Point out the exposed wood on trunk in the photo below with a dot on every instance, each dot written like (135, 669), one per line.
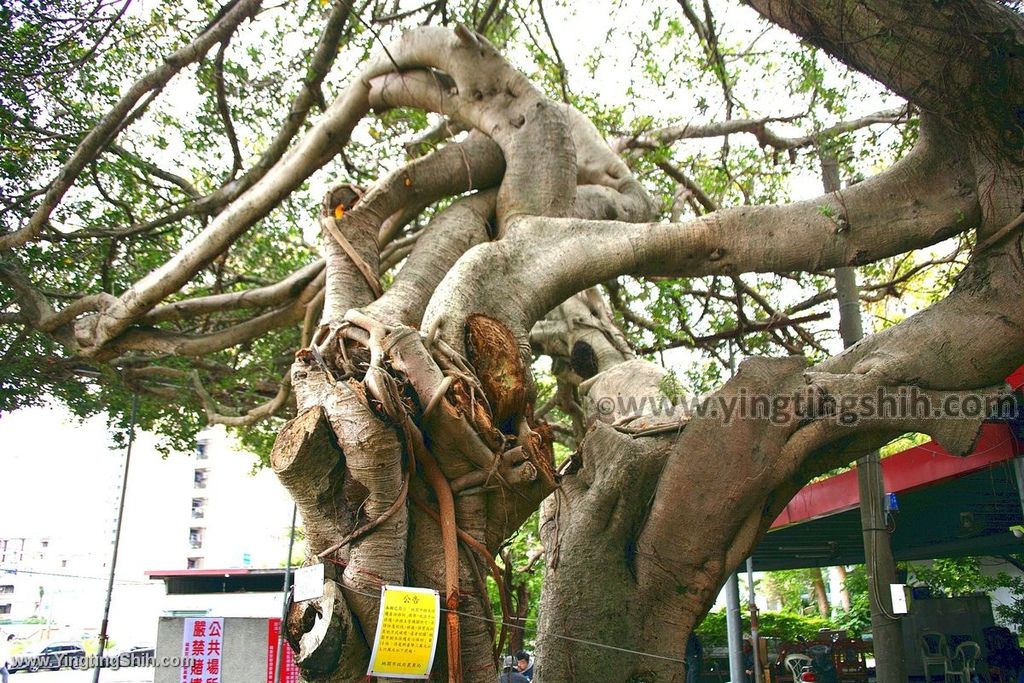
(307, 460)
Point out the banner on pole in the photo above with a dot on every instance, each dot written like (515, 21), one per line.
(201, 650)
(289, 671)
(406, 632)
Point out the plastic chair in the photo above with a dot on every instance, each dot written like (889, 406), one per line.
(964, 662)
(934, 652)
(795, 663)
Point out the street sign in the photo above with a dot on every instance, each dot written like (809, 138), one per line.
(201, 650)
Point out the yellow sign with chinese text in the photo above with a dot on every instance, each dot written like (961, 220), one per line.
(406, 632)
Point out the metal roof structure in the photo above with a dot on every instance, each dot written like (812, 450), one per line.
(949, 506)
(193, 581)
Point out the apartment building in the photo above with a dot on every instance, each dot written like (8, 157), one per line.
(232, 516)
(205, 509)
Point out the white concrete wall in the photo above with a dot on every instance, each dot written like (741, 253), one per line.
(224, 605)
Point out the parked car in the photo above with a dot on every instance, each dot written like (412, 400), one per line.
(140, 655)
(52, 657)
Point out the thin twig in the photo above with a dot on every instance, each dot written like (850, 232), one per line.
(225, 110)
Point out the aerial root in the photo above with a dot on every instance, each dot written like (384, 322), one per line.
(372, 524)
(482, 551)
(406, 368)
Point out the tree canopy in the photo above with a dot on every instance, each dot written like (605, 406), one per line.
(195, 136)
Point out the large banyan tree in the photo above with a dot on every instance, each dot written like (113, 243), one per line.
(421, 433)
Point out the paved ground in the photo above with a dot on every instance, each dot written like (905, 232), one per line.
(139, 674)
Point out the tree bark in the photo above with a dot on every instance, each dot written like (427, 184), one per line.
(844, 592)
(641, 527)
(820, 595)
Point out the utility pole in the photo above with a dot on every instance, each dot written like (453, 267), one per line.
(886, 630)
(734, 628)
(117, 539)
(733, 619)
(284, 606)
(754, 637)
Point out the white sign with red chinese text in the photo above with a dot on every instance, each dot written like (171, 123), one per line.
(201, 650)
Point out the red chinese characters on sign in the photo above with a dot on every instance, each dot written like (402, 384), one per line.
(201, 650)
(289, 672)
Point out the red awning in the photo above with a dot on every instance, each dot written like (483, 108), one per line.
(164, 573)
(913, 468)
(920, 466)
(1016, 380)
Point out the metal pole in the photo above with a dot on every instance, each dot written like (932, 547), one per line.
(733, 620)
(886, 629)
(284, 601)
(1018, 472)
(753, 622)
(734, 629)
(117, 538)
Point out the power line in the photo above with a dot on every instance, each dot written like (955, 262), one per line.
(15, 571)
(499, 622)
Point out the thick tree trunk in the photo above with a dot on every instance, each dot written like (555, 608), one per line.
(844, 592)
(416, 453)
(820, 594)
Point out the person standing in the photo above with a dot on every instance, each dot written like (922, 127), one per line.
(748, 658)
(5, 657)
(524, 665)
(694, 658)
(509, 673)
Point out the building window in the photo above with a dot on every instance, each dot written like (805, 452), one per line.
(195, 538)
(195, 563)
(201, 453)
(200, 479)
(5, 609)
(198, 508)
(7, 588)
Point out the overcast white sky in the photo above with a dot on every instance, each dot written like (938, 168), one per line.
(55, 471)
(61, 478)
